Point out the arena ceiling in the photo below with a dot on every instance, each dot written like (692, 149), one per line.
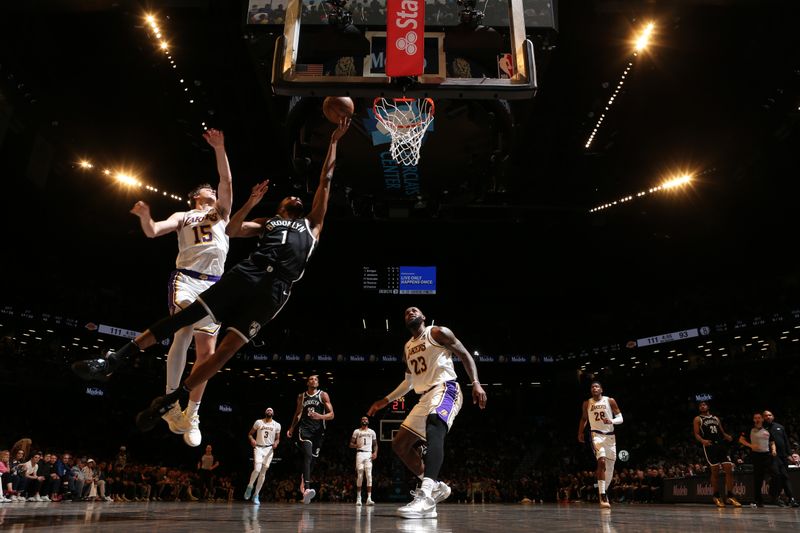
(716, 96)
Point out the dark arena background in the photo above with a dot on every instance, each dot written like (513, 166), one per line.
(630, 219)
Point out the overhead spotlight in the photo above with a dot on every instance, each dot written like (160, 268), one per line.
(644, 38)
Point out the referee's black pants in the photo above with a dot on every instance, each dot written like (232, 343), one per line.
(761, 464)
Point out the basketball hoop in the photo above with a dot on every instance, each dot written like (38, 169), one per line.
(406, 120)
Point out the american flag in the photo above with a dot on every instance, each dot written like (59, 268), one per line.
(309, 69)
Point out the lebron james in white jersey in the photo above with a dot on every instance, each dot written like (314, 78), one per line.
(428, 358)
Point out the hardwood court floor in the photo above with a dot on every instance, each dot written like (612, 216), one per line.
(161, 517)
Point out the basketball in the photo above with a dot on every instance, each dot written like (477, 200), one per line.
(337, 107)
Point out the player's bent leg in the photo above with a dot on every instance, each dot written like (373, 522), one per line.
(730, 499)
(176, 362)
(359, 480)
(368, 475)
(190, 423)
(253, 476)
(403, 446)
(715, 486)
(102, 368)
(176, 357)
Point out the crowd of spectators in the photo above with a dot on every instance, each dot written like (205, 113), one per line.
(521, 449)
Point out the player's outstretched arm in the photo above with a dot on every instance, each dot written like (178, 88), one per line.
(150, 227)
(216, 139)
(320, 204)
(401, 390)
(238, 226)
(446, 338)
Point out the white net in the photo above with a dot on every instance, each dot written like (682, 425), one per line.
(406, 120)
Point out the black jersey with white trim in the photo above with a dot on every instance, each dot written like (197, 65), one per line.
(312, 403)
(285, 246)
(710, 428)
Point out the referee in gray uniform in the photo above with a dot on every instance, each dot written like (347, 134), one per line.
(762, 448)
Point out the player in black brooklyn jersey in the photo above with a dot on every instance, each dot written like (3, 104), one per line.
(314, 408)
(709, 432)
(248, 295)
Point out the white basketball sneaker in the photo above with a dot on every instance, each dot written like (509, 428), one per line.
(192, 436)
(422, 507)
(173, 418)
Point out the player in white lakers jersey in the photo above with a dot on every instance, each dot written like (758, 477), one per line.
(602, 414)
(365, 443)
(430, 372)
(267, 437)
(202, 249)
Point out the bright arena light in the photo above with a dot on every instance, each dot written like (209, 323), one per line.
(644, 38)
(676, 182)
(641, 43)
(125, 178)
(670, 184)
(159, 35)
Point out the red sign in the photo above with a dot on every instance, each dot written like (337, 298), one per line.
(405, 31)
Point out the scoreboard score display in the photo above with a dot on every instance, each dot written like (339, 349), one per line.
(399, 279)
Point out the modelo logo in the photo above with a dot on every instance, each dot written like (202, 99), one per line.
(518, 359)
(325, 358)
(224, 408)
(94, 391)
(680, 490)
(292, 357)
(739, 489)
(704, 489)
(357, 358)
